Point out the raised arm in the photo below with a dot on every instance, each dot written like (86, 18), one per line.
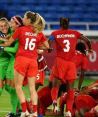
(87, 42)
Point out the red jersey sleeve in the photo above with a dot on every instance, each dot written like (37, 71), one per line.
(84, 63)
(16, 34)
(52, 33)
(43, 39)
(78, 34)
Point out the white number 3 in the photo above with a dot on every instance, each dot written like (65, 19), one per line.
(31, 44)
(67, 45)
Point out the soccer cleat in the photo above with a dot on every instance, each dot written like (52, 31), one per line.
(68, 114)
(25, 114)
(18, 113)
(33, 114)
(55, 109)
(10, 115)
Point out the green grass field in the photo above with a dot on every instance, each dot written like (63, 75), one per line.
(5, 106)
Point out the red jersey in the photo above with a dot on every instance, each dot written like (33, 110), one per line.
(94, 93)
(44, 95)
(66, 41)
(81, 60)
(89, 102)
(42, 65)
(28, 41)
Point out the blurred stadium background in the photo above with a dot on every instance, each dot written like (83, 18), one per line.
(83, 15)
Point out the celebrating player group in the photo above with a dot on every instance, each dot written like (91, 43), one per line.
(21, 62)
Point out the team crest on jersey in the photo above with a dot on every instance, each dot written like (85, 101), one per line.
(65, 35)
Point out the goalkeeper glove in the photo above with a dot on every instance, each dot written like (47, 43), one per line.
(2, 35)
(1, 48)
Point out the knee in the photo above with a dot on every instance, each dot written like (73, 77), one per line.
(18, 87)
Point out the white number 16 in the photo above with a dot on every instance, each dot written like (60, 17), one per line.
(31, 44)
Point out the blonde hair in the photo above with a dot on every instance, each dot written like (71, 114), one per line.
(37, 21)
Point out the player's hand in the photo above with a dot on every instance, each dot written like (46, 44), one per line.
(50, 50)
(89, 92)
(2, 39)
(1, 48)
(90, 51)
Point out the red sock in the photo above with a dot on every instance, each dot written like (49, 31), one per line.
(34, 108)
(70, 99)
(39, 111)
(24, 108)
(54, 93)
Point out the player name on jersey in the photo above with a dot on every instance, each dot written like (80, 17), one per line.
(30, 34)
(66, 35)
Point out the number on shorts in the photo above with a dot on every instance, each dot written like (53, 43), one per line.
(31, 44)
(38, 76)
(67, 45)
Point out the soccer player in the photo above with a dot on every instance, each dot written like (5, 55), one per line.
(10, 86)
(4, 56)
(81, 60)
(84, 103)
(30, 36)
(90, 89)
(63, 100)
(42, 66)
(64, 66)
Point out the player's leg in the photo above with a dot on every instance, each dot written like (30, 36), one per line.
(70, 77)
(37, 86)
(70, 96)
(18, 80)
(3, 68)
(8, 77)
(54, 94)
(13, 97)
(34, 97)
(1, 86)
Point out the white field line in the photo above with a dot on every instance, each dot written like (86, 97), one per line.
(4, 111)
(5, 108)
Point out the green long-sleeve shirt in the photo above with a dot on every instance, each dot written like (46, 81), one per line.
(14, 46)
(12, 50)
